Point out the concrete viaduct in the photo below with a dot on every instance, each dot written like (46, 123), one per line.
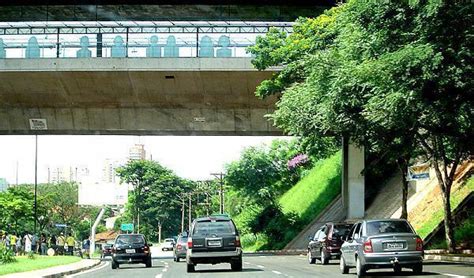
(150, 96)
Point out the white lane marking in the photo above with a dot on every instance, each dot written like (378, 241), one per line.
(260, 266)
(158, 275)
(276, 272)
(164, 270)
(88, 271)
(246, 263)
(452, 275)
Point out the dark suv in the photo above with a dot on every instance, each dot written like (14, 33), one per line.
(212, 240)
(327, 241)
(131, 249)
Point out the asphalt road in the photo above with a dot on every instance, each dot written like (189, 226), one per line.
(261, 266)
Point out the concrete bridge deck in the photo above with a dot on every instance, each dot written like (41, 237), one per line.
(201, 96)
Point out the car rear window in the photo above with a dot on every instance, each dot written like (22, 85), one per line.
(182, 239)
(169, 240)
(386, 227)
(130, 239)
(205, 228)
(341, 230)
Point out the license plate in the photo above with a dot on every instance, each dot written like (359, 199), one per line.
(395, 245)
(214, 243)
(130, 251)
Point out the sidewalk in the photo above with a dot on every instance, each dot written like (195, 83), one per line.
(440, 255)
(57, 271)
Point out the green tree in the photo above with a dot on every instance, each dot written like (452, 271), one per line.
(391, 76)
(16, 209)
(156, 196)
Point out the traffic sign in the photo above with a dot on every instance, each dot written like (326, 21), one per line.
(127, 227)
(60, 225)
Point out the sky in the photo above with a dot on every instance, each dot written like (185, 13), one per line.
(192, 157)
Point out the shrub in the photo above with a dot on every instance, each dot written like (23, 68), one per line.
(31, 255)
(6, 255)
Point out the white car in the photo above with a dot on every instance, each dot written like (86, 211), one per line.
(168, 244)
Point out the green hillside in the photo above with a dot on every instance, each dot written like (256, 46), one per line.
(315, 191)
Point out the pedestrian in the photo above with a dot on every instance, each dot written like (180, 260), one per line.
(43, 244)
(7, 241)
(19, 246)
(13, 240)
(60, 241)
(86, 245)
(27, 239)
(70, 241)
(52, 243)
(34, 243)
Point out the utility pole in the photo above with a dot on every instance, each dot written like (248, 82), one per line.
(182, 214)
(220, 176)
(159, 232)
(190, 212)
(36, 180)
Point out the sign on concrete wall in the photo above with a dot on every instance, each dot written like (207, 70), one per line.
(419, 172)
(38, 124)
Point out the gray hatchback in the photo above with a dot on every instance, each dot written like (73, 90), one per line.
(386, 243)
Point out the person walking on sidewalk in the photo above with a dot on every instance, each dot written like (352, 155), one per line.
(43, 244)
(60, 242)
(70, 241)
(13, 240)
(19, 246)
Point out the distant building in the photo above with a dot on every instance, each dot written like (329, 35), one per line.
(137, 152)
(109, 174)
(3, 184)
(67, 174)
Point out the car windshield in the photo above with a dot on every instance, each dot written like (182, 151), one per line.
(130, 239)
(182, 239)
(385, 227)
(205, 228)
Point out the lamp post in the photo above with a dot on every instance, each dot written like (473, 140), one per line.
(220, 176)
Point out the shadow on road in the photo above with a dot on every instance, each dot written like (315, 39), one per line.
(227, 270)
(401, 274)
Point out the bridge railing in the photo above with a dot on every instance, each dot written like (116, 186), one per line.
(206, 40)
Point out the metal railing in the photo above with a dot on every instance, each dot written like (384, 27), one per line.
(124, 39)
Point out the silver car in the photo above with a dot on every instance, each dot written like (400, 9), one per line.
(387, 243)
(181, 248)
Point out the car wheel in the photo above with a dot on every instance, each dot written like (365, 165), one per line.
(397, 268)
(324, 259)
(177, 259)
(114, 265)
(311, 260)
(342, 265)
(190, 268)
(360, 268)
(148, 263)
(236, 265)
(418, 268)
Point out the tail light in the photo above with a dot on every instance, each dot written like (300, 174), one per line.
(368, 246)
(113, 250)
(146, 249)
(237, 242)
(178, 246)
(419, 244)
(190, 243)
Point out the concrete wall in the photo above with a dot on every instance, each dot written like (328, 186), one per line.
(212, 96)
(353, 181)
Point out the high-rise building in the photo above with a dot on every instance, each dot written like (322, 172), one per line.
(3, 184)
(137, 152)
(67, 174)
(109, 174)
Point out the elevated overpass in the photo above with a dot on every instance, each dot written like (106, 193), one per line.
(176, 96)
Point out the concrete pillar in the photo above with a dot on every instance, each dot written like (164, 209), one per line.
(353, 182)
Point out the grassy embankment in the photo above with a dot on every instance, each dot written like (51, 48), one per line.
(23, 264)
(464, 232)
(436, 214)
(308, 198)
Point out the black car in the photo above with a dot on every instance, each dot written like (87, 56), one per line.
(131, 249)
(327, 241)
(212, 240)
(106, 250)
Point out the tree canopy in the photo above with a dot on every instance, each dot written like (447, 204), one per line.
(393, 76)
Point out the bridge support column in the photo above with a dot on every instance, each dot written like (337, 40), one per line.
(353, 182)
